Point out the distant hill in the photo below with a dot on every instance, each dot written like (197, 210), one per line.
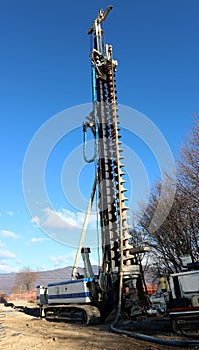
(6, 282)
(44, 277)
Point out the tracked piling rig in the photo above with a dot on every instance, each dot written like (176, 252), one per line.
(90, 298)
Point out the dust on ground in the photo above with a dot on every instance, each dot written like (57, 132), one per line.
(21, 331)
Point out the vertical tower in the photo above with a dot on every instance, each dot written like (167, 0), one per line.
(104, 123)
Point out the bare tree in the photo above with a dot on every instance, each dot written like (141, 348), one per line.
(178, 235)
(25, 279)
(189, 162)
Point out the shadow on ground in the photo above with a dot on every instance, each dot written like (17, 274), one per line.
(31, 311)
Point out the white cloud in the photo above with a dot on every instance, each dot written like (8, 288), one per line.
(94, 261)
(9, 234)
(37, 267)
(63, 218)
(6, 254)
(63, 260)
(4, 268)
(68, 260)
(19, 261)
(35, 220)
(10, 213)
(36, 240)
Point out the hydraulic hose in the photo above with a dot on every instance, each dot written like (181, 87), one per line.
(162, 341)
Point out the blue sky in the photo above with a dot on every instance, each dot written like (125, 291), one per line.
(45, 69)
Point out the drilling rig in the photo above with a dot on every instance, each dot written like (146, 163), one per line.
(92, 298)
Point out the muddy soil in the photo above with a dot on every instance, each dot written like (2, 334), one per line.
(21, 330)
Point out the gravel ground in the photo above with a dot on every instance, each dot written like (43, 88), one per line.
(20, 331)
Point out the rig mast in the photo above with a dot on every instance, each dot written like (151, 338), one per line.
(119, 265)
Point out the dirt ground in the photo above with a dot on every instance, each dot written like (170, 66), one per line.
(21, 331)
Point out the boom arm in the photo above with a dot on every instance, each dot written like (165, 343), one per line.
(81, 241)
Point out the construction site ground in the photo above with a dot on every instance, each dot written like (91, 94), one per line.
(21, 330)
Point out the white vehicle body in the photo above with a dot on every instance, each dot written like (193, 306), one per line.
(185, 285)
(70, 292)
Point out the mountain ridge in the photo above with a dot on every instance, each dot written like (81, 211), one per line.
(7, 280)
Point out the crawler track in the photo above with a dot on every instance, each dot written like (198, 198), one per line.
(74, 313)
(188, 326)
